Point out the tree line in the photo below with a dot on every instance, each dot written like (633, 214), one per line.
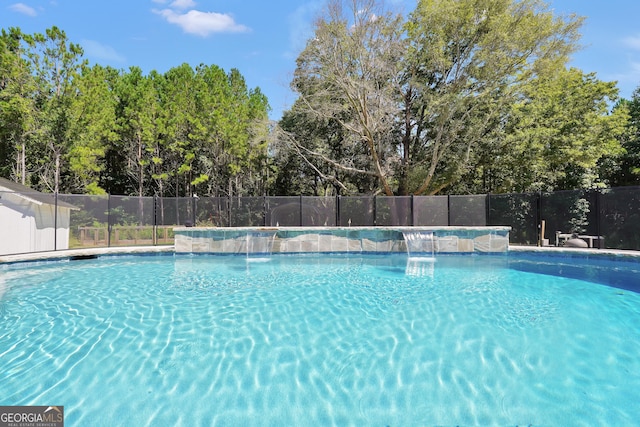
(69, 127)
(466, 96)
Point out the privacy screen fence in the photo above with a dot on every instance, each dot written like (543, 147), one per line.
(608, 218)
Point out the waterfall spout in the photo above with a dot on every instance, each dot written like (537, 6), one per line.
(420, 245)
(260, 244)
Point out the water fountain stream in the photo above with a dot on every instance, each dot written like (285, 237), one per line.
(260, 244)
(421, 245)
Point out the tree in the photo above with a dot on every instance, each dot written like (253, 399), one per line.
(297, 173)
(213, 130)
(65, 126)
(415, 101)
(556, 132)
(562, 129)
(349, 73)
(246, 135)
(183, 128)
(137, 112)
(624, 168)
(56, 63)
(467, 63)
(17, 104)
(91, 130)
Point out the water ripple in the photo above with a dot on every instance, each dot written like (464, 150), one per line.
(315, 341)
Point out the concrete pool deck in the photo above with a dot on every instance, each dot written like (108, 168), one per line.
(169, 249)
(85, 252)
(620, 254)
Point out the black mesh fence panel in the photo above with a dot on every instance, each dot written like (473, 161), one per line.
(176, 210)
(247, 212)
(356, 211)
(318, 211)
(569, 212)
(131, 221)
(520, 212)
(89, 220)
(619, 210)
(468, 210)
(431, 211)
(125, 210)
(393, 211)
(283, 211)
(213, 212)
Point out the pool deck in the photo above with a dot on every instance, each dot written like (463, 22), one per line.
(85, 252)
(133, 250)
(566, 250)
(619, 254)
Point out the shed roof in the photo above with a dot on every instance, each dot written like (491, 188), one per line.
(32, 195)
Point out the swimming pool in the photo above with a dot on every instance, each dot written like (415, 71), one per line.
(323, 340)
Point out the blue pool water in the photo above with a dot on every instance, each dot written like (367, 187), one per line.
(321, 340)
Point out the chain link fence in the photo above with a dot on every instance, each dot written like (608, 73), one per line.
(34, 222)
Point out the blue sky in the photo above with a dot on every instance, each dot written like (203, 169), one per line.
(263, 38)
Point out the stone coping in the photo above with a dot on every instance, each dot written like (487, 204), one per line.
(584, 252)
(169, 249)
(85, 252)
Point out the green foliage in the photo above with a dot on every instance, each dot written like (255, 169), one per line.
(17, 105)
(349, 74)
(562, 128)
(555, 134)
(462, 96)
(68, 127)
(623, 168)
(417, 102)
(578, 212)
(93, 189)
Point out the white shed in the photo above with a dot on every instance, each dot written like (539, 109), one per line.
(28, 220)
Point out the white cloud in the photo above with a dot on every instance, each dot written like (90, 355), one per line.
(97, 50)
(23, 8)
(632, 42)
(182, 4)
(202, 23)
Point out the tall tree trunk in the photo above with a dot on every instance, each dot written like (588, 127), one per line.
(57, 174)
(140, 168)
(23, 164)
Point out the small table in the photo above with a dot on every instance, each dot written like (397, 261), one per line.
(563, 237)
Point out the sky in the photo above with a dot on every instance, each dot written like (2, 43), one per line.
(262, 39)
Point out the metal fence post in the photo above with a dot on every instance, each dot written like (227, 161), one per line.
(108, 220)
(413, 220)
(264, 211)
(55, 221)
(375, 210)
(154, 240)
(488, 204)
(539, 218)
(194, 207)
(598, 218)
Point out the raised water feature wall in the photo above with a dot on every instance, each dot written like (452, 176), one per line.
(341, 239)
